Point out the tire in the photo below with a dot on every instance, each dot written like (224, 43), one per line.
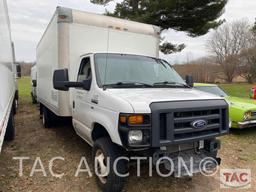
(112, 182)
(10, 130)
(15, 106)
(47, 118)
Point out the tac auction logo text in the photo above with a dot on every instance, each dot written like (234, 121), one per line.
(235, 178)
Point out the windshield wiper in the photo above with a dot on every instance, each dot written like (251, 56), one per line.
(171, 83)
(127, 84)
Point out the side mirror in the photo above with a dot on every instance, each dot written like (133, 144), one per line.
(87, 84)
(190, 80)
(61, 81)
(34, 83)
(18, 71)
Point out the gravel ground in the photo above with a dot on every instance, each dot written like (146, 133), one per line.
(32, 140)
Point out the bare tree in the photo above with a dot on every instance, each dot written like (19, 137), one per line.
(203, 70)
(247, 58)
(227, 43)
(247, 64)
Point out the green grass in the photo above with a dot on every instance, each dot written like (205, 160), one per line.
(24, 89)
(237, 90)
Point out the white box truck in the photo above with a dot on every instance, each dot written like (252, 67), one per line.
(7, 78)
(105, 73)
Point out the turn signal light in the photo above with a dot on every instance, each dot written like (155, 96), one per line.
(136, 119)
(123, 119)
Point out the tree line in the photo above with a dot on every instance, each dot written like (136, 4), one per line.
(195, 18)
(234, 46)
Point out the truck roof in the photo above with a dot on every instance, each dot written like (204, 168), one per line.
(86, 18)
(68, 15)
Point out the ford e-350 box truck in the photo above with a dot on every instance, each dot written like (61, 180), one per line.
(105, 73)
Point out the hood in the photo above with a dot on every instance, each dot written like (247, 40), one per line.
(242, 103)
(140, 99)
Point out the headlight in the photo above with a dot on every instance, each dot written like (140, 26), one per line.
(247, 115)
(135, 136)
(135, 129)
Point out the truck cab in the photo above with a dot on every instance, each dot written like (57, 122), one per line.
(141, 104)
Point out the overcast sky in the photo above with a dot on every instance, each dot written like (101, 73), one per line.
(29, 19)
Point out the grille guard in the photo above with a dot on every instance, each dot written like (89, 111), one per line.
(164, 132)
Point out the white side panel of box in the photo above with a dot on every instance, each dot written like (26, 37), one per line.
(85, 39)
(6, 55)
(47, 61)
(6, 99)
(64, 55)
(133, 43)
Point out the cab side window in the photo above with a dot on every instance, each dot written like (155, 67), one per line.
(85, 71)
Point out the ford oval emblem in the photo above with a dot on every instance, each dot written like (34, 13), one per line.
(199, 124)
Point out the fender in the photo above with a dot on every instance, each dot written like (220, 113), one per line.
(109, 122)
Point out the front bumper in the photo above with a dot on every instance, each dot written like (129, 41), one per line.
(195, 158)
(189, 163)
(246, 124)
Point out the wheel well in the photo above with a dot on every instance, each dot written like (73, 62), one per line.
(99, 131)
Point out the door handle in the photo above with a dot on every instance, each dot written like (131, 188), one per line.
(80, 92)
(74, 104)
(95, 101)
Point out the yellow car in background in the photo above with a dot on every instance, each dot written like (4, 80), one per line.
(242, 111)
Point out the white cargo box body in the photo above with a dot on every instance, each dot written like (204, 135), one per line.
(73, 33)
(6, 99)
(6, 76)
(33, 73)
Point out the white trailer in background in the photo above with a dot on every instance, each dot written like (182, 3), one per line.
(34, 84)
(7, 78)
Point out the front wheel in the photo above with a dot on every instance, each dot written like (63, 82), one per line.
(105, 151)
(47, 118)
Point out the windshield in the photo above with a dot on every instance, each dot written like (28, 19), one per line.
(139, 70)
(213, 89)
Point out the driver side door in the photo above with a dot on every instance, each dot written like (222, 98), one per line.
(81, 104)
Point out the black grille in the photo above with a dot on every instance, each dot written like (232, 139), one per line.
(172, 121)
(253, 113)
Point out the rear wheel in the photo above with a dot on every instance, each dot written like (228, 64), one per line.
(107, 179)
(15, 106)
(47, 118)
(10, 130)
